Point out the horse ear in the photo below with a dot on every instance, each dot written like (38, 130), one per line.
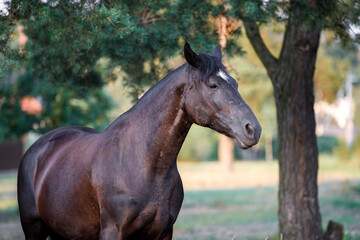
(217, 51)
(191, 56)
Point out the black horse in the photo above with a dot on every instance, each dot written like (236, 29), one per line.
(123, 183)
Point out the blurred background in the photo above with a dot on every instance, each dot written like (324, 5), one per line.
(86, 62)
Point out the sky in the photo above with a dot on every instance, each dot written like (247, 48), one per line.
(2, 7)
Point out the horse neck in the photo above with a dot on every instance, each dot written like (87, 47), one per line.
(158, 122)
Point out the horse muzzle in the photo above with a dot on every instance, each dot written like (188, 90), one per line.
(247, 133)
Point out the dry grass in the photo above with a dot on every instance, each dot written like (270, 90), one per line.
(211, 175)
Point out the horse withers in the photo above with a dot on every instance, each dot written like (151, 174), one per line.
(123, 183)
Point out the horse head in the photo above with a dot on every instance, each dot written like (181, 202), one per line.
(212, 99)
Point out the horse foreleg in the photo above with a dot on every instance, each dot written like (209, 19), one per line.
(110, 228)
(109, 233)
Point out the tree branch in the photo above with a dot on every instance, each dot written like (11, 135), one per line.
(253, 34)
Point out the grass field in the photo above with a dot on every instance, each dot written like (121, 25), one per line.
(241, 204)
(252, 213)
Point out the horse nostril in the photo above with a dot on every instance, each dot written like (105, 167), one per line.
(249, 130)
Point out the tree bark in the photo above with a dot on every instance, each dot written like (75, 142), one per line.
(299, 215)
(292, 78)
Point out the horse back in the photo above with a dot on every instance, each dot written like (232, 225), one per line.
(60, 144)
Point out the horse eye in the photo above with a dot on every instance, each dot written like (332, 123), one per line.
(212, 85)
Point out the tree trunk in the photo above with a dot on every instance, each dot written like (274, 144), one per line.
(292, 78)
(299, 214)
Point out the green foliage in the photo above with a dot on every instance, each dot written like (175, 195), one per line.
(333, 63)
(65, 42)
(343, 152)
(327, 144)
(13, 127)
(67, 39)
(336, 16)
(356, 149)
(349, 154)
(200, 145)
(162, 30)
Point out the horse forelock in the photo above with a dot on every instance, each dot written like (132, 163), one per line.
(209, 66)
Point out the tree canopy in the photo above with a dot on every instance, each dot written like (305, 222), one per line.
(60, 66)
(67, 39)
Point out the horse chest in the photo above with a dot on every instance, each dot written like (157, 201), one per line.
(145, 213)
